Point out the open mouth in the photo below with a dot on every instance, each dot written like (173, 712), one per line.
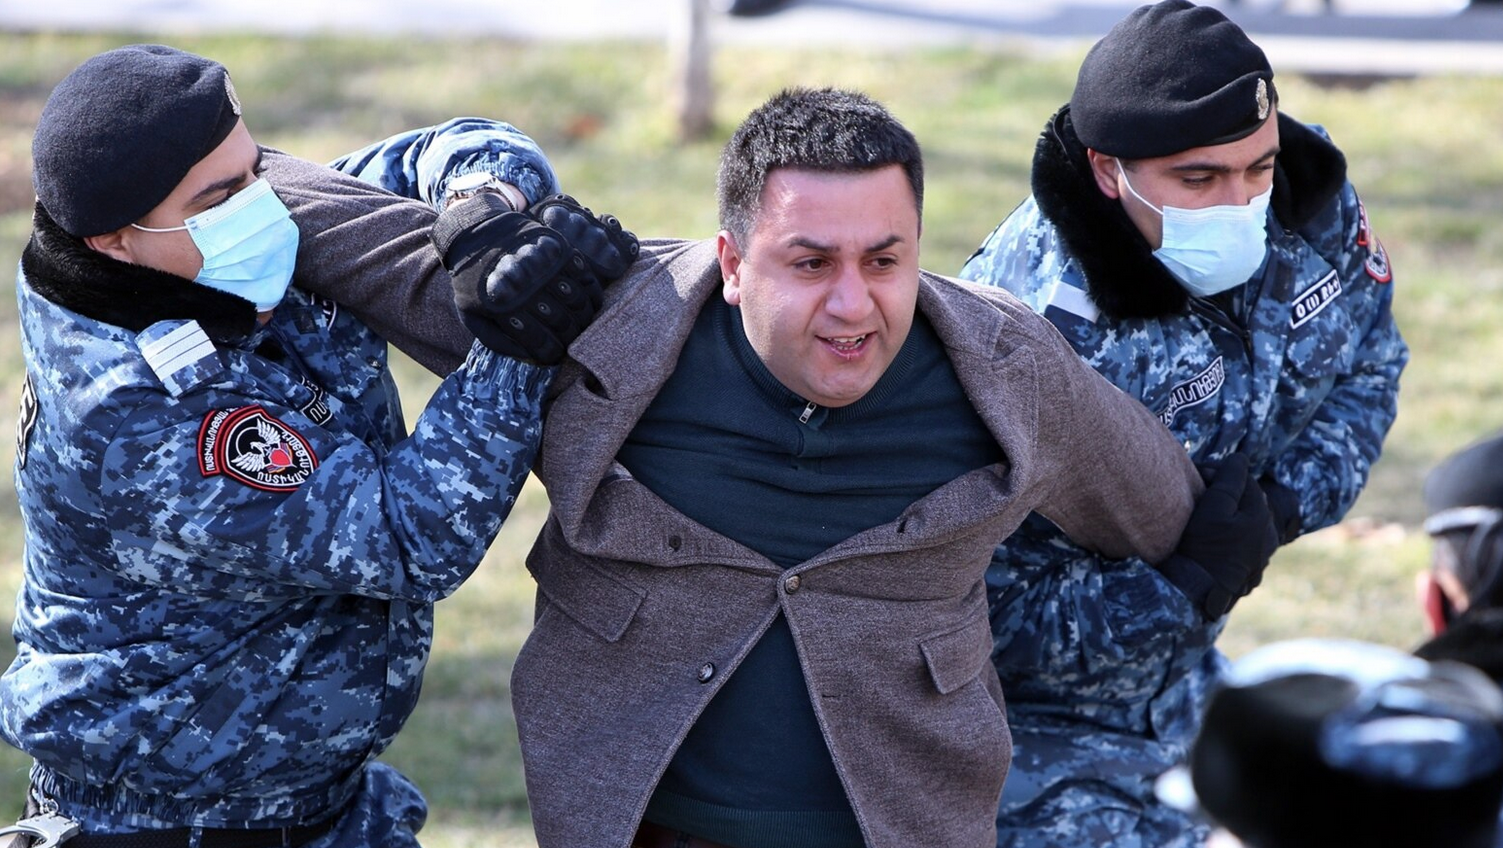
(845, 345)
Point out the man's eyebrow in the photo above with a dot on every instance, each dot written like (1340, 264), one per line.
(223, 185)
(811, 244)
(1220, 167)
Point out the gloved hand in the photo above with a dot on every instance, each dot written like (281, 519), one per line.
(1284, 504)
(607, 248)
(520, 286)
(1226, 544)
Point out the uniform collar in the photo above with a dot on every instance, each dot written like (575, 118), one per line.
(65, 271)
(1122, 277)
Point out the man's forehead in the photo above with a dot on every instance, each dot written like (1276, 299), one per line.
(1263, 144)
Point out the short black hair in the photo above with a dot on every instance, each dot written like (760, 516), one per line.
(825, 129)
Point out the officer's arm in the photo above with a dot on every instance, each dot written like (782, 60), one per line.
(368, 250)
(1327, 463)
(420, 164)
(236, 496)
(1120, 483)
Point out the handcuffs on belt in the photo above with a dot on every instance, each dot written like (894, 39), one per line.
(47, 827)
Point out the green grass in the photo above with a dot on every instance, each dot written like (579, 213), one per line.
(1425, 153)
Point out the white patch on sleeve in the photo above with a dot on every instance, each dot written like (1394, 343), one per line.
(1074, 301)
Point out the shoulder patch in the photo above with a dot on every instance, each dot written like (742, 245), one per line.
(26, 420)
(249, 445)
(1312, 300)
(180, 354)
(1376, 263)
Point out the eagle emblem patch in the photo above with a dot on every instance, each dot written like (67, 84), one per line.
(249, 445)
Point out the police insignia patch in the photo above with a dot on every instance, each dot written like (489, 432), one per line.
(1376, 265)
(250, 446)
(1194, 391)
(329, 308)
(316, 409)
(26, 421)
(229, 91)
(1311, 301)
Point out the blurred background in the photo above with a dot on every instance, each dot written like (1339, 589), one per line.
(632, 99)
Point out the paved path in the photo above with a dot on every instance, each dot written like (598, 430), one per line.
(1359, 37)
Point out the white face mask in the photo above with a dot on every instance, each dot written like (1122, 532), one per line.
(249, 245)
(1213, 249)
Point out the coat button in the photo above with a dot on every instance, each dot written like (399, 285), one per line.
(675, 542)
(792, 584)
(706, 672)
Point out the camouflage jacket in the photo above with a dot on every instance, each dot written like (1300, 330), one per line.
(1298, 368)
(232, 544)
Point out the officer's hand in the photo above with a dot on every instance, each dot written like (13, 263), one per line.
(520, 286)
(1227, 543)
(608, 248)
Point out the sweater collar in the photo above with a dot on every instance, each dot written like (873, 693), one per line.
(732, 332)
(67, 272)
(1121, 274)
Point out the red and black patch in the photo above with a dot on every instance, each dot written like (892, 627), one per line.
(249, 445)
(1376, 265)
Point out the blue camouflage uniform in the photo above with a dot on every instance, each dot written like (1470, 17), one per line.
(232, 544)
(1106, 664)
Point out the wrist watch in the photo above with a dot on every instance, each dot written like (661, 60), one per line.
(468, 185)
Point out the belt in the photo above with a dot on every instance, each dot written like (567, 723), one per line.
(651, 835)
(211, 837)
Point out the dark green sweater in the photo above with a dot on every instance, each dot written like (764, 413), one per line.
(723, 443)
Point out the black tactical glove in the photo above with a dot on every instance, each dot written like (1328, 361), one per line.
(1227, 543)
(1284, 504)
(520, 286)
(607, 248)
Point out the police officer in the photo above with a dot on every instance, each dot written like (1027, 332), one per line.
(232, 544)
(1314, 743)
(1462, 591)
(1205, 253)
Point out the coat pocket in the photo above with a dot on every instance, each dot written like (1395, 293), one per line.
(955, 657)
(583, 590)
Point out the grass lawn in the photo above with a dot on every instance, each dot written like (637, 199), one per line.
(1426, 155)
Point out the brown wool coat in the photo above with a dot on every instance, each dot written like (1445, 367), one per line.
(643, 614)
(636, 603)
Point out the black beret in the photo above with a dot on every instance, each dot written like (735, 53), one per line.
(1320, 742)
(1472, 476)
(1170, 77)
(122, 130)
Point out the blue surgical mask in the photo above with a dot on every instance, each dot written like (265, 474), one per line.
(249, 245)
(1213, 249)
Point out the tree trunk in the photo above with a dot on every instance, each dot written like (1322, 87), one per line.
(689, 51)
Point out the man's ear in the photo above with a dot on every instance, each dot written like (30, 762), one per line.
(1106, 170)
(111, 244)
(1432, 602)
(730, 267)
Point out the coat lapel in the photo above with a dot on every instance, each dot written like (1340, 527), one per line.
(617, 366)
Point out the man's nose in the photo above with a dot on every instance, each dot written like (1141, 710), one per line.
(850, 296)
